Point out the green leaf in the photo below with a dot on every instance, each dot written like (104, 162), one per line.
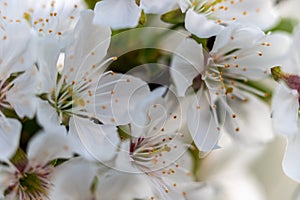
(173, 17)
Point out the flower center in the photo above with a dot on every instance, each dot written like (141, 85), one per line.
(33, 183)
(66, 100)
(29, 181)
(148, 150)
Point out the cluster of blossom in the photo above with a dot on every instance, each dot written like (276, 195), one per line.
(108, 135)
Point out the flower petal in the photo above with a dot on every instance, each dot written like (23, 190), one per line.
(116, 98)
(47, 116)
(22, 96)
(236, 36)
(117, 14)
(202, 124)
(97, 142)
(72, 180)
(252, 118)
(47, 146)
(10, 132)
(157, 6)
(187, 64)
(199, 25)
(263, 57)
(285, 107)
(291, 161)
(129, 186)
(89, 47)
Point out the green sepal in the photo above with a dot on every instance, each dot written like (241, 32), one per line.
(44, 96)
(138, 2)
(10, 113)
(124, 132)
(57, 162)
(91, 3)
(20, 159)
(277, 73)
(197, 161)
(143, 18)
(173, 17)
(202, 41)
(94, 185)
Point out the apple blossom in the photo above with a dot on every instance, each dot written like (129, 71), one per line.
(240, 53)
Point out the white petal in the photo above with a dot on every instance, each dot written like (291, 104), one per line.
(10, 132)
(99, 142)
(117, 14)
(293, 57)
(291, 161)
(184, 4)
(285, 107)
(89, 47)
(13, 54)
(72, 180)
(47, 116)
(255, 12)
(200, 26)
(47, 146)
(249, 187)
(253, 120)
(201, 123)
(263, 57)
(187, 64)
(157, 6)
(236, 36)
(22, 96)
(6, 175)
(47, 51)
(196, 190)
(123, 186)
(117, 96)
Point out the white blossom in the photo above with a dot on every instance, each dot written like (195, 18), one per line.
(240, 53)
(208, 18)
(29, 176)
